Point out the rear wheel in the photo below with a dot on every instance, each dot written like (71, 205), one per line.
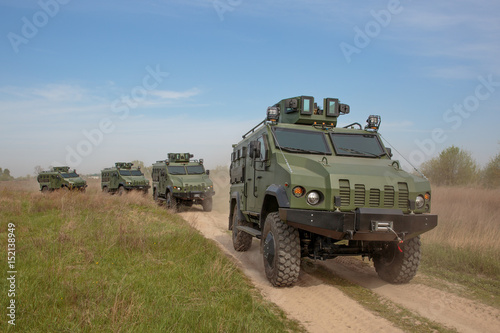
(45, 189)
(105, 189)
(241, 240)
(395, 266)
(281, 251)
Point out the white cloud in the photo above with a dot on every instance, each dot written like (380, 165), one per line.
(168, 94)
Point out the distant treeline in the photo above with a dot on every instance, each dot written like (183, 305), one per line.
(5, 175)
(453, 167)
(456, 167)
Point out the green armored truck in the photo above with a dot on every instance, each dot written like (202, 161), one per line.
(309, 189)
(181, 181)
(60, 178)
(123, 178)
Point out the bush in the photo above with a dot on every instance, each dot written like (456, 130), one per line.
(453, 166)
(491, 173)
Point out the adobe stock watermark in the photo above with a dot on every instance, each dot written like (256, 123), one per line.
(120, 107)
(372, 29)
(223, 6)
(454, 116)
(31, 26)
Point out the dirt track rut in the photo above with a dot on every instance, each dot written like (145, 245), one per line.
(323, 308)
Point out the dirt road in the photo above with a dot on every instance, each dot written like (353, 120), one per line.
(323, 308)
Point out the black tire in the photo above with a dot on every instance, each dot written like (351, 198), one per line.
(170, 202)
(207, 205)
(395, 266)
(121, 190)
(45, 189)
(281, 252)
(105, 189)
(155, 195)
(241, 240)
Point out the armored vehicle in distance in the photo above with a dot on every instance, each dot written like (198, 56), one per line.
(181, 181)
(60, 178)
(122, 178)
(309, 189)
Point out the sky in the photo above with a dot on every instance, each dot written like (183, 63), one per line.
(90, 83)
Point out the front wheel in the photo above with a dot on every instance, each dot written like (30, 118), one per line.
(395, 266)
(171, 201)
(281, 252)
(207, 205)
(121, 190)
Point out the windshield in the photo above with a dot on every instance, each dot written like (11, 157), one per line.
(131, 173)
(70, 175)
(195, 169)
(366, 145)
(176, 170)
(299, 141)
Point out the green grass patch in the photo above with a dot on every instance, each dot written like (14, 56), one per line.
(91, 262)
(475, 272)
(382, 307)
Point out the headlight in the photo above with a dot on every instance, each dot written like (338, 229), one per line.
(128, 183)
(419, 202)
(313, 198)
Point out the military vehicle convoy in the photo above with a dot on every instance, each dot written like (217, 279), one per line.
(309, 189)
(123, 178)
(179, 180)
(60, 178)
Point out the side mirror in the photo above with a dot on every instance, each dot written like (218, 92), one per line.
(389, 151)
(208, 172)
(254, 149)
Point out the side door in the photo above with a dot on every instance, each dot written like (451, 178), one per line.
(163, 180)
(256, 178)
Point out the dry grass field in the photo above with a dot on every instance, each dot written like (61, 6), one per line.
(464, 248)
(468, 218)
(92, 262)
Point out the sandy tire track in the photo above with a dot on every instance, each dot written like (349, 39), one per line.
(320, 308)
(323, 308)
(451, 310)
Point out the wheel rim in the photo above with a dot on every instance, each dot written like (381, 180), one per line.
(269, 249)
(389, 254)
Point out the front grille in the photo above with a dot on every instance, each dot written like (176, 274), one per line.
(345, 192)
(359, 195)
(388, 196)
(374, 200)
(403, 195)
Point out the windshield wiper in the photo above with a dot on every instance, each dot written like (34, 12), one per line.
(300, 150)
(361, 152)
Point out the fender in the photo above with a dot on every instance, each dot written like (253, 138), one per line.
(169, 188)
(241, 216)
(279, 193)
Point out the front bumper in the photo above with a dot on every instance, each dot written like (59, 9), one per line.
(193, 195)
(137, 188)
(368, 224)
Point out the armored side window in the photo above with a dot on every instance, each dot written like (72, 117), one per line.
(264, 147)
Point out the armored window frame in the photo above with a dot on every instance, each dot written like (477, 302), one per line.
(319, 134)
